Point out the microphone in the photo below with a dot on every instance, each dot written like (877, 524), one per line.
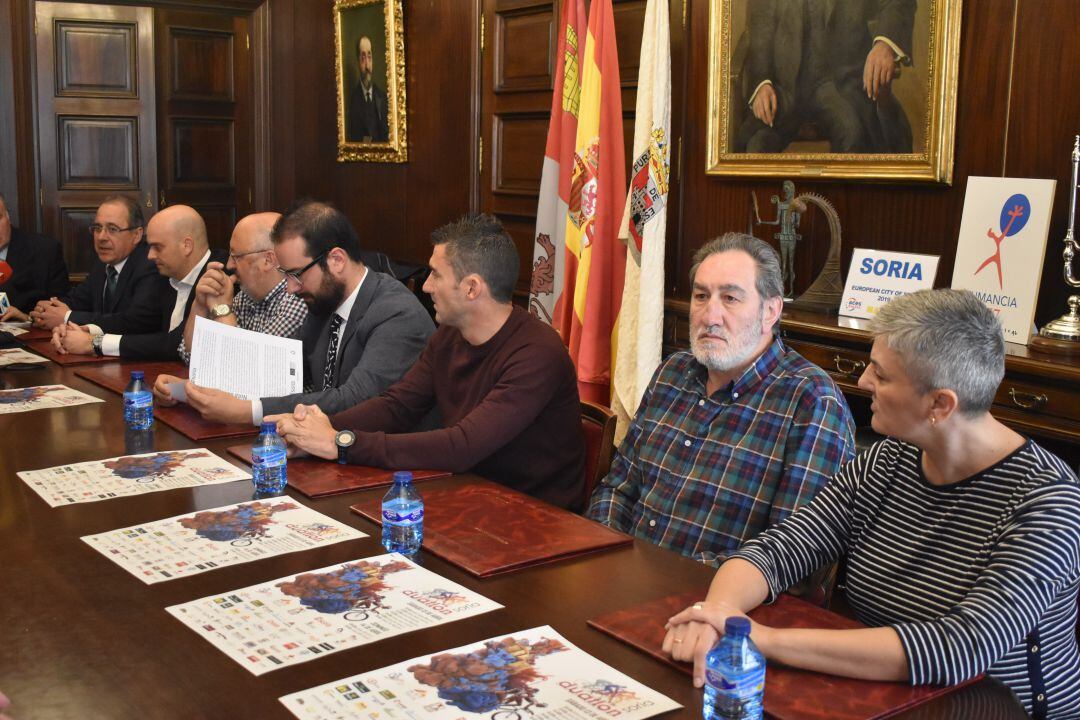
(6, 273)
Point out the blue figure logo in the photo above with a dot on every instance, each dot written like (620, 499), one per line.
(1014, 216)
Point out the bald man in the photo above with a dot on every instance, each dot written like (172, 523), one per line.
(177, 243)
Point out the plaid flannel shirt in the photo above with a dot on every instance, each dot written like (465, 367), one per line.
(280, 313)
(702, 474)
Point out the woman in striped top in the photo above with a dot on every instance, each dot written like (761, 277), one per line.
(961, 538)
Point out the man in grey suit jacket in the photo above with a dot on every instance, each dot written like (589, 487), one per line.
(364, 329)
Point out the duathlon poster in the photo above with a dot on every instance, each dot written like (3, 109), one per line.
(10, 356)
(42, 397)
(298, 618)
(130, 475)
(530, 675)
(209, 539)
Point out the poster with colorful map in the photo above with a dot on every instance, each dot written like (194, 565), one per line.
(299, 618)
(10, 356)
(209, 539)
(530, 675)
(42, 397)
(130, 475)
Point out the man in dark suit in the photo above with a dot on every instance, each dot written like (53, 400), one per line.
(123, 292)
(363, 331)
(367, 105)
(176, 240)
(817, 60)
(38, 268)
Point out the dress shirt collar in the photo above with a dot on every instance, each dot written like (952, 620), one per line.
(120, 266)
(345, 308)
(271, 297)
(192, 276)
(760, 369)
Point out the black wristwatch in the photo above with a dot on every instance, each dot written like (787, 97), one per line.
(344, 440)
(95, 342)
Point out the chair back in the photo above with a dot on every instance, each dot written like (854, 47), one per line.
(598, 426)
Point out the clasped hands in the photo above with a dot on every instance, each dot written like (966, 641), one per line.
(71, 339)
(694, 631)
(215, 288)
(307, 430)
(48, 314)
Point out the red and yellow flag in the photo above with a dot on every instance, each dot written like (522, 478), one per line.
(595, 259)
(549, 244)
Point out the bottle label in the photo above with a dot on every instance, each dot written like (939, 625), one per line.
(268, 458)
(741, 687)
(138, 400)
(396, 518)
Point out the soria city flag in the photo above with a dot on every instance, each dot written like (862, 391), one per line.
(549, 247)
(644, 224)
(595, 259)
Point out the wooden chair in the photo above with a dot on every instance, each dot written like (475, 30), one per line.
(598, 426)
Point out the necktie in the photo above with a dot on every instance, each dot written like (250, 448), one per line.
(110, 286)
(331, 352)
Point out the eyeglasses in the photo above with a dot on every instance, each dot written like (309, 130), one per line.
(109, 229)
(236, 256)
(294, 275)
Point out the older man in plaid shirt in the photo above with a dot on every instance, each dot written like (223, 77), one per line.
(731, 437)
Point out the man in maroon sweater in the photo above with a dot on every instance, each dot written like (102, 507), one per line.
(501, 379)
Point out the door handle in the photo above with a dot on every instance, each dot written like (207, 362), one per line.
(847, 366)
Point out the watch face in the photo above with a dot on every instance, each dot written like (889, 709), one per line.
(345, 438)
(220, 310)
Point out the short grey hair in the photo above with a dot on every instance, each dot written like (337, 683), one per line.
(769, 282)
(947, 339)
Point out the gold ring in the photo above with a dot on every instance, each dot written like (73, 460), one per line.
(676, 640)
(697, 606)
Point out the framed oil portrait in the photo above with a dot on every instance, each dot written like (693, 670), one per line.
(370, 68)
(833, 88)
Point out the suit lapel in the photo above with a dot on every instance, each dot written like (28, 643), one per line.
(363, 302)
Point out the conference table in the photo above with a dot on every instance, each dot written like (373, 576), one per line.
(80, 637)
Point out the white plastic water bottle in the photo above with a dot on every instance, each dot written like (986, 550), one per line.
(402, 516)
(138, 403)
(268, 461)
(734, 675)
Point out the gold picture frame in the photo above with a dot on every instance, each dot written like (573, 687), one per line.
(907, 134)
(371, 117)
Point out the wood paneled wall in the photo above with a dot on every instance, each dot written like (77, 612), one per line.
(1017, 112)
(394, 206)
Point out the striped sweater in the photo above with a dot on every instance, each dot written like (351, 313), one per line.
(977, 576)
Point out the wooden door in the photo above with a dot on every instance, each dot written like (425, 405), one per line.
(517, 79)
(95, 99)
(204, 116)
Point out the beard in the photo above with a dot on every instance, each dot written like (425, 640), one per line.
(736, 349)
(365, 79)
(327, 298)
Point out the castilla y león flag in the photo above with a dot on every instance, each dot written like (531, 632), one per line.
(644, 224)
(549, 246)
(587, 317)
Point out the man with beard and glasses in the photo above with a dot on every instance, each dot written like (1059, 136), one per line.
(734, 435)
(363, 331)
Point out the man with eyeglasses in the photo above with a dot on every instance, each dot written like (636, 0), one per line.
(177, 245)
(364, 328)
(37, 264)
(123, 292)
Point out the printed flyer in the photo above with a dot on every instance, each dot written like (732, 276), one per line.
(295, 619)
(534, 674)
(209, 539)
(10, 356)
(42, 397)
(130, 475)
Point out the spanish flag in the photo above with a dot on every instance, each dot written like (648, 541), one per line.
(549, 244)
(595, 259)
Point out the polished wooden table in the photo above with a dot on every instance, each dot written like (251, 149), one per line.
(82, 638)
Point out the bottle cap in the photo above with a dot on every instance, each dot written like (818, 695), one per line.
(137, 374)
(403, 476)
(269, 427)
(737, 626)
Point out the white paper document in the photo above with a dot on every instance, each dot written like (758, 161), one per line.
(530, 675)
(15, 327)
(299, 618)
(42, 397)
(10, 356)
(246, 364)
(209, 539)
(130, 475)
